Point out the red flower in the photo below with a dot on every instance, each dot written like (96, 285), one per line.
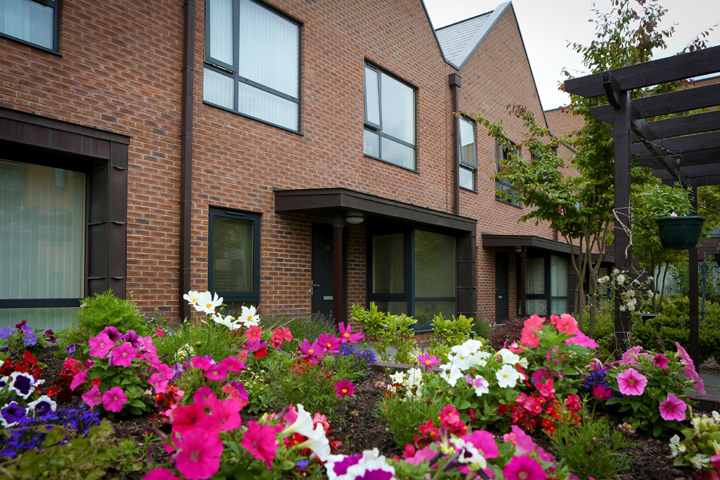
(502, 409)
(186, 418)
(573, 403)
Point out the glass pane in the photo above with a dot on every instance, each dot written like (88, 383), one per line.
(218, 89)
(55, 319)
(467, 178)
(266, 106)
(425, 311)
(535, 276)
(269, 49)
(372, 98)
(467, 143)
(559, 305)
(221, 30)
(27, 20)
(42, 233)
(558, 276)
(371, 144)
(395, 308)
(232, 260)
(388, 263)
(603, 287)
(398, 109)
(398, 154)
(537, 307)
(434, 264)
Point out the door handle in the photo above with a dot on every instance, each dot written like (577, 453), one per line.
(312, 285)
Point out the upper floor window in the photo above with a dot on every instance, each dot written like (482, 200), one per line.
(468, 157)
(34, 22)
(389, 119)
(252, 62)
(503, 190)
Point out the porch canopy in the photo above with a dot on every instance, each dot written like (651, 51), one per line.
(683, 148)
(342, 203)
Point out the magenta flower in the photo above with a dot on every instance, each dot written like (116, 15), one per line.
(660, 360)
(484, 442)
(427, 361)
(698, 382)
(631, 382)
(224, 415)
(522, 468)
(100, 345)
(259, 440)
(600, 392)
(330, 343)
(202, 363)
(673, 408)
(186, 418)
(216, 372)
(159, 382)
(92, 397)
(199, 455)
(204, 394)
(346, 334)
(160, 474)
(78, 379)
(114, 399)
(233, 364)
(123, 355)
(630, 357)
(312, 352)
(344, 388)
(683, 355)
(546, 389)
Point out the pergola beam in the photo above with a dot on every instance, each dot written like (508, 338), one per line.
(679, 145)
(689, 125)
(688, 159)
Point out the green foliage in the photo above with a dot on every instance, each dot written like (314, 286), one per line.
(592, 448)
(303, 328)
(197, 338)
(449, 332)
(604, 333)
(679, 272)
(261, 394)
(132, 380)
(661, 201)
(85, 457)
(101, 311)
(700, 441)
(389, 330)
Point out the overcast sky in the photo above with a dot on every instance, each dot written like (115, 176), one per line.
(548, 25)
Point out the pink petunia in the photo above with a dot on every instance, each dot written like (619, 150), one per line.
(204, 394)
(631, 382)
(281, 335)
(159, 382)
(565, 323)
(123, 355)
(224, 415)
(78, 379)
(114, 399)
(100, 345)
(159, 332)
(346, 334)
(630, 357)
(92, 397)
(683, 355)
(698, 382)
(673, 408)
(661, 361)
(186, 418)
(427, 361)
(600, 392)
(254, 333)
(216, 372)
(529, 335)
(522, 468)
(199, 455)
(233, 364)
(582, 340)
(572, 402)
(546, 389)
(201, 362)
(259, 440)
(344, 388)
(160, 474)
(484, 442)
(330, 343)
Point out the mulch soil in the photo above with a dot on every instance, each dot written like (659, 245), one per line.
(358, 429)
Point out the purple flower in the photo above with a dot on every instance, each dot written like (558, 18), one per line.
(22, 383)
(254, 345)
(70, 350)
(43, 405)
(133, 339)
(5, 332)
(30, 339)
(11, 414)
(26, 329)
(177, 371)
(113, 333)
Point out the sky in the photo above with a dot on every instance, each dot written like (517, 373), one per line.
(548, 25)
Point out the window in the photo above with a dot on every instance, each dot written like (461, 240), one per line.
(503, 190)
(252, 62)
(546, 285)
(389, 119)
(413, 273)
(468, 157)
(42, 245)
(235, 255)
(33, 22)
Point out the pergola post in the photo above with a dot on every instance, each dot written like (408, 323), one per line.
(693, 293)
(338, 276)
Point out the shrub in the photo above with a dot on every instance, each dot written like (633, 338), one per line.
(101, 311)
(509, 332)
(197, 339)
(356, 361)
(449, 332)
(389, 330)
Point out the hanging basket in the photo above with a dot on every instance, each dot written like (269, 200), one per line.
(680, 233)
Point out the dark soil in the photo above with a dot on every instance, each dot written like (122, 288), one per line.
(358, 429)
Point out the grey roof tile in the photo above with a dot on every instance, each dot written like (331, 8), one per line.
(454, 38)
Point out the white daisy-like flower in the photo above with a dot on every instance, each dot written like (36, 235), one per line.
(676, 447)
(192, 298)
(249, 317)
(398, 377)
(699, 461)
(207, 303)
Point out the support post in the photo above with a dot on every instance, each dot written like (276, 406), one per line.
(455, 82)
(338, 313)
(523, 286)
(693, 294)
(623, 252)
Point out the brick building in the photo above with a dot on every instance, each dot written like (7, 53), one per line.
(299, 155)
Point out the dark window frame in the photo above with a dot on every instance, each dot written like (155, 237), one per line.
(466, 165)
(231, 71)
(242, 297)
(547, 272)
(501, 152)
(56, 5)
(377, 129)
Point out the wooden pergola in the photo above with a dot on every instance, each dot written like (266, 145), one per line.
(693, 139)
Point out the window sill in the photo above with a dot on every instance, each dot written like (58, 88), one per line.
(390, 163)
(30, 44)
(296, 132)
(467, 189)
(508, 203)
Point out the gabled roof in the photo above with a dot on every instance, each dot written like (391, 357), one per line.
(459, 40)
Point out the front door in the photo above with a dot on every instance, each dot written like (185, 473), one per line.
(322, 269)
(501, 287)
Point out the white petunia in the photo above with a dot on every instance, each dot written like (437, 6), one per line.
(509, 357)
(317, 442)
(302, 425)
(398, 377)
(468, 454)
(368, 466)
(450, 373)
(507, 376)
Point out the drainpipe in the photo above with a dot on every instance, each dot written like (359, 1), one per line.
(186, 140)
(454, 82)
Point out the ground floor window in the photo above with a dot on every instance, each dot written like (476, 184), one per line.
(42, 244)
(546, 285)
(234, 266)
(413, 272)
